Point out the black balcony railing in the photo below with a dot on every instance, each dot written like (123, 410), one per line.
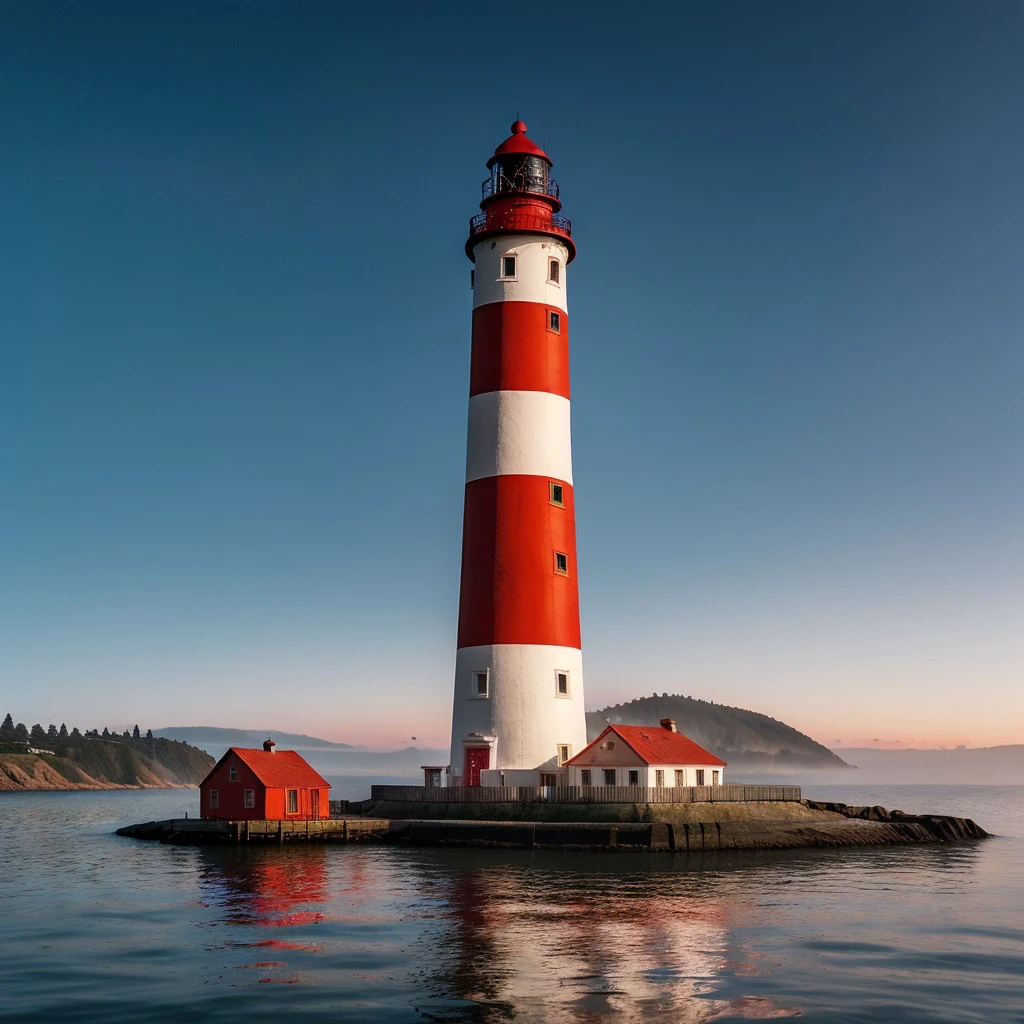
(502, 186)
(557, 223)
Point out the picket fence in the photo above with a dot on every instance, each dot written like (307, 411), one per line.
(728, 793)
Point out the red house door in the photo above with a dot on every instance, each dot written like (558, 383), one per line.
(477, 759)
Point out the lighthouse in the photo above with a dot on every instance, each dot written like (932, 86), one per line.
(518, 711)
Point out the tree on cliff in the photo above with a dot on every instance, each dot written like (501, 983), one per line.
(37, 737)
(21, 733)
(7, 730)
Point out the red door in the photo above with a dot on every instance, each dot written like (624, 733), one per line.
(477, 759)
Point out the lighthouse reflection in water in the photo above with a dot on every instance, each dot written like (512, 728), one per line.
(510, 936)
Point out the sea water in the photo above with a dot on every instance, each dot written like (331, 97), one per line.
(94, 927)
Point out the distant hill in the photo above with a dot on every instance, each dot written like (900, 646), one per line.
(749, 741)
(216, 741)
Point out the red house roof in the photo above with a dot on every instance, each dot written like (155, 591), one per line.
(655, 745)
(280, 769)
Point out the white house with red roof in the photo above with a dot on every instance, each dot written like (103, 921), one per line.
(642, 755)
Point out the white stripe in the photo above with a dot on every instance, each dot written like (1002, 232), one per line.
(522, 709)
(533, 255)
(519, 432)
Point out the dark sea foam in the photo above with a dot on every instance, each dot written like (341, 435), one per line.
(102, 929)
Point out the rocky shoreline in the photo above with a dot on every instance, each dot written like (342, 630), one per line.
(807, 824)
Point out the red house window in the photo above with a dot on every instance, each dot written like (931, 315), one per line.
(214, 799)
(293, 801)
(250, 798)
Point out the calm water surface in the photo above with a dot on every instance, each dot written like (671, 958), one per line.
(98, 928)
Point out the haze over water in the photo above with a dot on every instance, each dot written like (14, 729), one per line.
(99, 928)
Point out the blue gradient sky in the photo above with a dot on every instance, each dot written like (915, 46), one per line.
(235, 346)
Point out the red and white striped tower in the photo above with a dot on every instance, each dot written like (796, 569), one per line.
(518, 710)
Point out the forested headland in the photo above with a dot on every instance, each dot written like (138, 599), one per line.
(59, 758)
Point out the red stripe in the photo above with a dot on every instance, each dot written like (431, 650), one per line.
(514, 350)
(511, 593)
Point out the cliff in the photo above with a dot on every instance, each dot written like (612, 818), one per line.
(105, 764)
(748, 740)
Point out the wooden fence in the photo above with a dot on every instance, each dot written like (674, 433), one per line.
(728, 793)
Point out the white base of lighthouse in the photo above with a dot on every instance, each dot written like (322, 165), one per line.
(523, 718)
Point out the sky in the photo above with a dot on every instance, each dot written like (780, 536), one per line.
(234, 357)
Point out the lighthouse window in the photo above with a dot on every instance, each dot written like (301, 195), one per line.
(554, 270)
(563, 752)
(556, 494)
(508, 266)
(554, 321)
(562, 563)
(479, 684)
(562, 684)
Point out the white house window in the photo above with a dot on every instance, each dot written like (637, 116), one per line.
(585, 777)
(609, 776)
(554, 321)
(659, 776)
(250, 798)
(548, 779)
(562, 683)
(561, 563)
(564, 752)
(700, 776)
(233, 773)
(214, 799)
(508, 267)
(714, 778)
(634, 777)
(480, 683)
(680, 776)
(554, 271)
(293, 801)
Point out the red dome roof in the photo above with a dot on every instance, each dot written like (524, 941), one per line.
(517, 142)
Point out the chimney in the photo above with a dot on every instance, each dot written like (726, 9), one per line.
(268, 745)
(668, 723)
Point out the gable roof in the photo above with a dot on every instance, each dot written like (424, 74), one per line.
(279, 769)
(654, 744)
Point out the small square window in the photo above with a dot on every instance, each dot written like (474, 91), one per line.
(562, 684)
(214, 799)
(561, 563)
(508, 266)
(554, 321)
(250, 798)
(634, 777)
(480, 684)
(585, 777)
(554, 271)
(563, 752)
(609, 776)
(293, 801)
(556, 494)
(233, 773)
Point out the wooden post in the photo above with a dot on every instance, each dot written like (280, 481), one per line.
(280, 831)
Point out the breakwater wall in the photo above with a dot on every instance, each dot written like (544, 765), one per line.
(796, 825)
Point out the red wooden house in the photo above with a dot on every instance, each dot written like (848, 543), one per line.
(267, 784)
